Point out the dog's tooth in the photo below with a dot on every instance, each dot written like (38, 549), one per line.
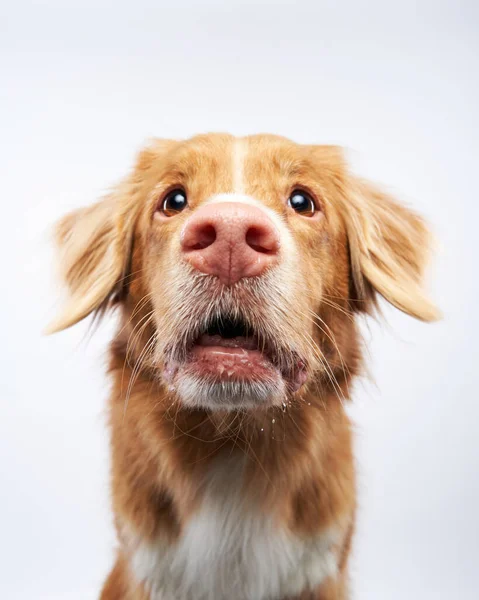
(230, 372)
(221, 369)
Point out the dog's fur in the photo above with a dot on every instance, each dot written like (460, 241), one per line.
(240, 504)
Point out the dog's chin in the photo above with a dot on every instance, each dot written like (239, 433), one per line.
(198, 392)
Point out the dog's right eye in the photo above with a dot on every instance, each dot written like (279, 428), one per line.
(174, 202)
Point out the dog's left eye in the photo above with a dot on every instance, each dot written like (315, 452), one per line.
(174, 202)
(302, 203)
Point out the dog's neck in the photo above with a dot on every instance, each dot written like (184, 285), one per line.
(174, 447)
(292, 466)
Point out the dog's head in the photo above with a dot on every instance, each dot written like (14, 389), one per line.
(239, 265)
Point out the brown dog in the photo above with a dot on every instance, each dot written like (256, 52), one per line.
(238, 266)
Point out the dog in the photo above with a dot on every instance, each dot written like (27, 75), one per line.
(239, 268)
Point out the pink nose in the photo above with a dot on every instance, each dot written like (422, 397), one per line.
(230, 240)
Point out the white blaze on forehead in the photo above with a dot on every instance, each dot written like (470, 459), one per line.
(239, 153)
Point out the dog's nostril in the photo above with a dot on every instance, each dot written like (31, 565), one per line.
(261, 240)
(230, 241)
(205, 236)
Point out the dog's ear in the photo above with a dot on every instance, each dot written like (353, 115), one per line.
(389, 248)
(93, 246)
(95, 243)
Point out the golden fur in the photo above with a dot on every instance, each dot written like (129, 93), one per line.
(300, 466)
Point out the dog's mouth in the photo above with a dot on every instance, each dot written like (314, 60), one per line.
(227, 332)
(229, 350)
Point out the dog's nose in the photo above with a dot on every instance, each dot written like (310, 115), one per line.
(230, 240)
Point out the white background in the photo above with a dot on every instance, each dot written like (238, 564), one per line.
(82, 85)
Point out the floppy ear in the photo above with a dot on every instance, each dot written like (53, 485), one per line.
(389, 247)
(94, 246)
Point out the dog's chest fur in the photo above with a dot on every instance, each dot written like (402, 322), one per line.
(228, 550)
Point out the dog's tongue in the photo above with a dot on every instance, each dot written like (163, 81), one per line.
(238, 356)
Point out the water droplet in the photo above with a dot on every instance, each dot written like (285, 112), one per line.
(262, 429)
(309, 403)
(273, 421)
(284, 406)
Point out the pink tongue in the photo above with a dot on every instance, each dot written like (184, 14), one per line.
(248, 343)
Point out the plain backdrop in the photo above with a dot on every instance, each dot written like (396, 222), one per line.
(82, 86)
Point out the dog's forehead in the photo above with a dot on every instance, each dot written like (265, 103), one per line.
(222, 164)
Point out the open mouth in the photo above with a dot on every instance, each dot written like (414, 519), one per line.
(229, 348)
(228, 362)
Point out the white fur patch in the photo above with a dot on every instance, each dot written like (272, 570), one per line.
(228, 550)
(239, 152)
(196, 392)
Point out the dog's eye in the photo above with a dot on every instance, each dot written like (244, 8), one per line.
(174, 202)
(302, 203)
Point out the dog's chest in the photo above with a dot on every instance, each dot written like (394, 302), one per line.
(229, 552)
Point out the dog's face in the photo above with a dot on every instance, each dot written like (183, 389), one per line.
(240, 264)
